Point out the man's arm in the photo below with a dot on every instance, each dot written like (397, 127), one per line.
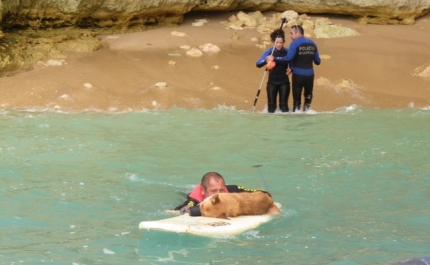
(192, 208)
(317, 59)
(281, 60)
(235, 188)
(292, 50)
(183, 208)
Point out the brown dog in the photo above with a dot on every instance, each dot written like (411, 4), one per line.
(223, 205)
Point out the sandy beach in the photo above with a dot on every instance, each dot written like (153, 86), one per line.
(372, 70)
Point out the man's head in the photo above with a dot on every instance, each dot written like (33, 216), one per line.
(212, 183)
(296, 32)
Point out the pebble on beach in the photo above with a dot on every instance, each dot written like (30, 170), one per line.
(179, 34)
(194, 52)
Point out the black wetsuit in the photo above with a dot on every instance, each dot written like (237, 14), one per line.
(278, 81)
(302, 54)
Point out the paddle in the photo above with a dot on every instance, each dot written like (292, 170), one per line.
(274, 45)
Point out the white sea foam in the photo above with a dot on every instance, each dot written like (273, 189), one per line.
(225, 107)
(251, 234)
(132, 177)
(108, 251)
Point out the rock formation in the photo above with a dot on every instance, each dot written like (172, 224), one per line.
(40, 14)
(33, 30)
(423, 70)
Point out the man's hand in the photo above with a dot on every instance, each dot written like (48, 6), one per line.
(173, 211)
(185, 209)
(270, 58)
(289, 71)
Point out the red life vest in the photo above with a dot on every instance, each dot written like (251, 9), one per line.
(197, 195)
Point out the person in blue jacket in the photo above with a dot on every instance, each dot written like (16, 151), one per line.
(302, 53)
(278, 81)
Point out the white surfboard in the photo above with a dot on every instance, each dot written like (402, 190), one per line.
(208, 226)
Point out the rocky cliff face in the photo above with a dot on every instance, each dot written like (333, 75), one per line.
(33, 30)
(39, 14)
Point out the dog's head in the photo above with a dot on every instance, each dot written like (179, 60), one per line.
(213, 207)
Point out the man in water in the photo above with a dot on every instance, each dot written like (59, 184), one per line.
(302, 53)
(210, 184)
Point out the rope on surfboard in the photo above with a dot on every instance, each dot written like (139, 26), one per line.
(259, 89)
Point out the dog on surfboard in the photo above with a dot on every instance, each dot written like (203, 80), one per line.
(224, 205)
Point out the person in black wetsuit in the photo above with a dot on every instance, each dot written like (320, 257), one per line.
(211, 183)
(302, 53)
(278, 81)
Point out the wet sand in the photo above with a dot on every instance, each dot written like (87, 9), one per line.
(371, 70)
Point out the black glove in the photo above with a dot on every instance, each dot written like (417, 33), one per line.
(195, 211)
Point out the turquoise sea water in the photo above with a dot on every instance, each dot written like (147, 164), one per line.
(354, 184)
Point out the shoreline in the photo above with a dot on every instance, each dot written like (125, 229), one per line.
(371, 70)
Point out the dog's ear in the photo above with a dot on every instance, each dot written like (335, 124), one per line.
(215, 199)
(223, 216)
